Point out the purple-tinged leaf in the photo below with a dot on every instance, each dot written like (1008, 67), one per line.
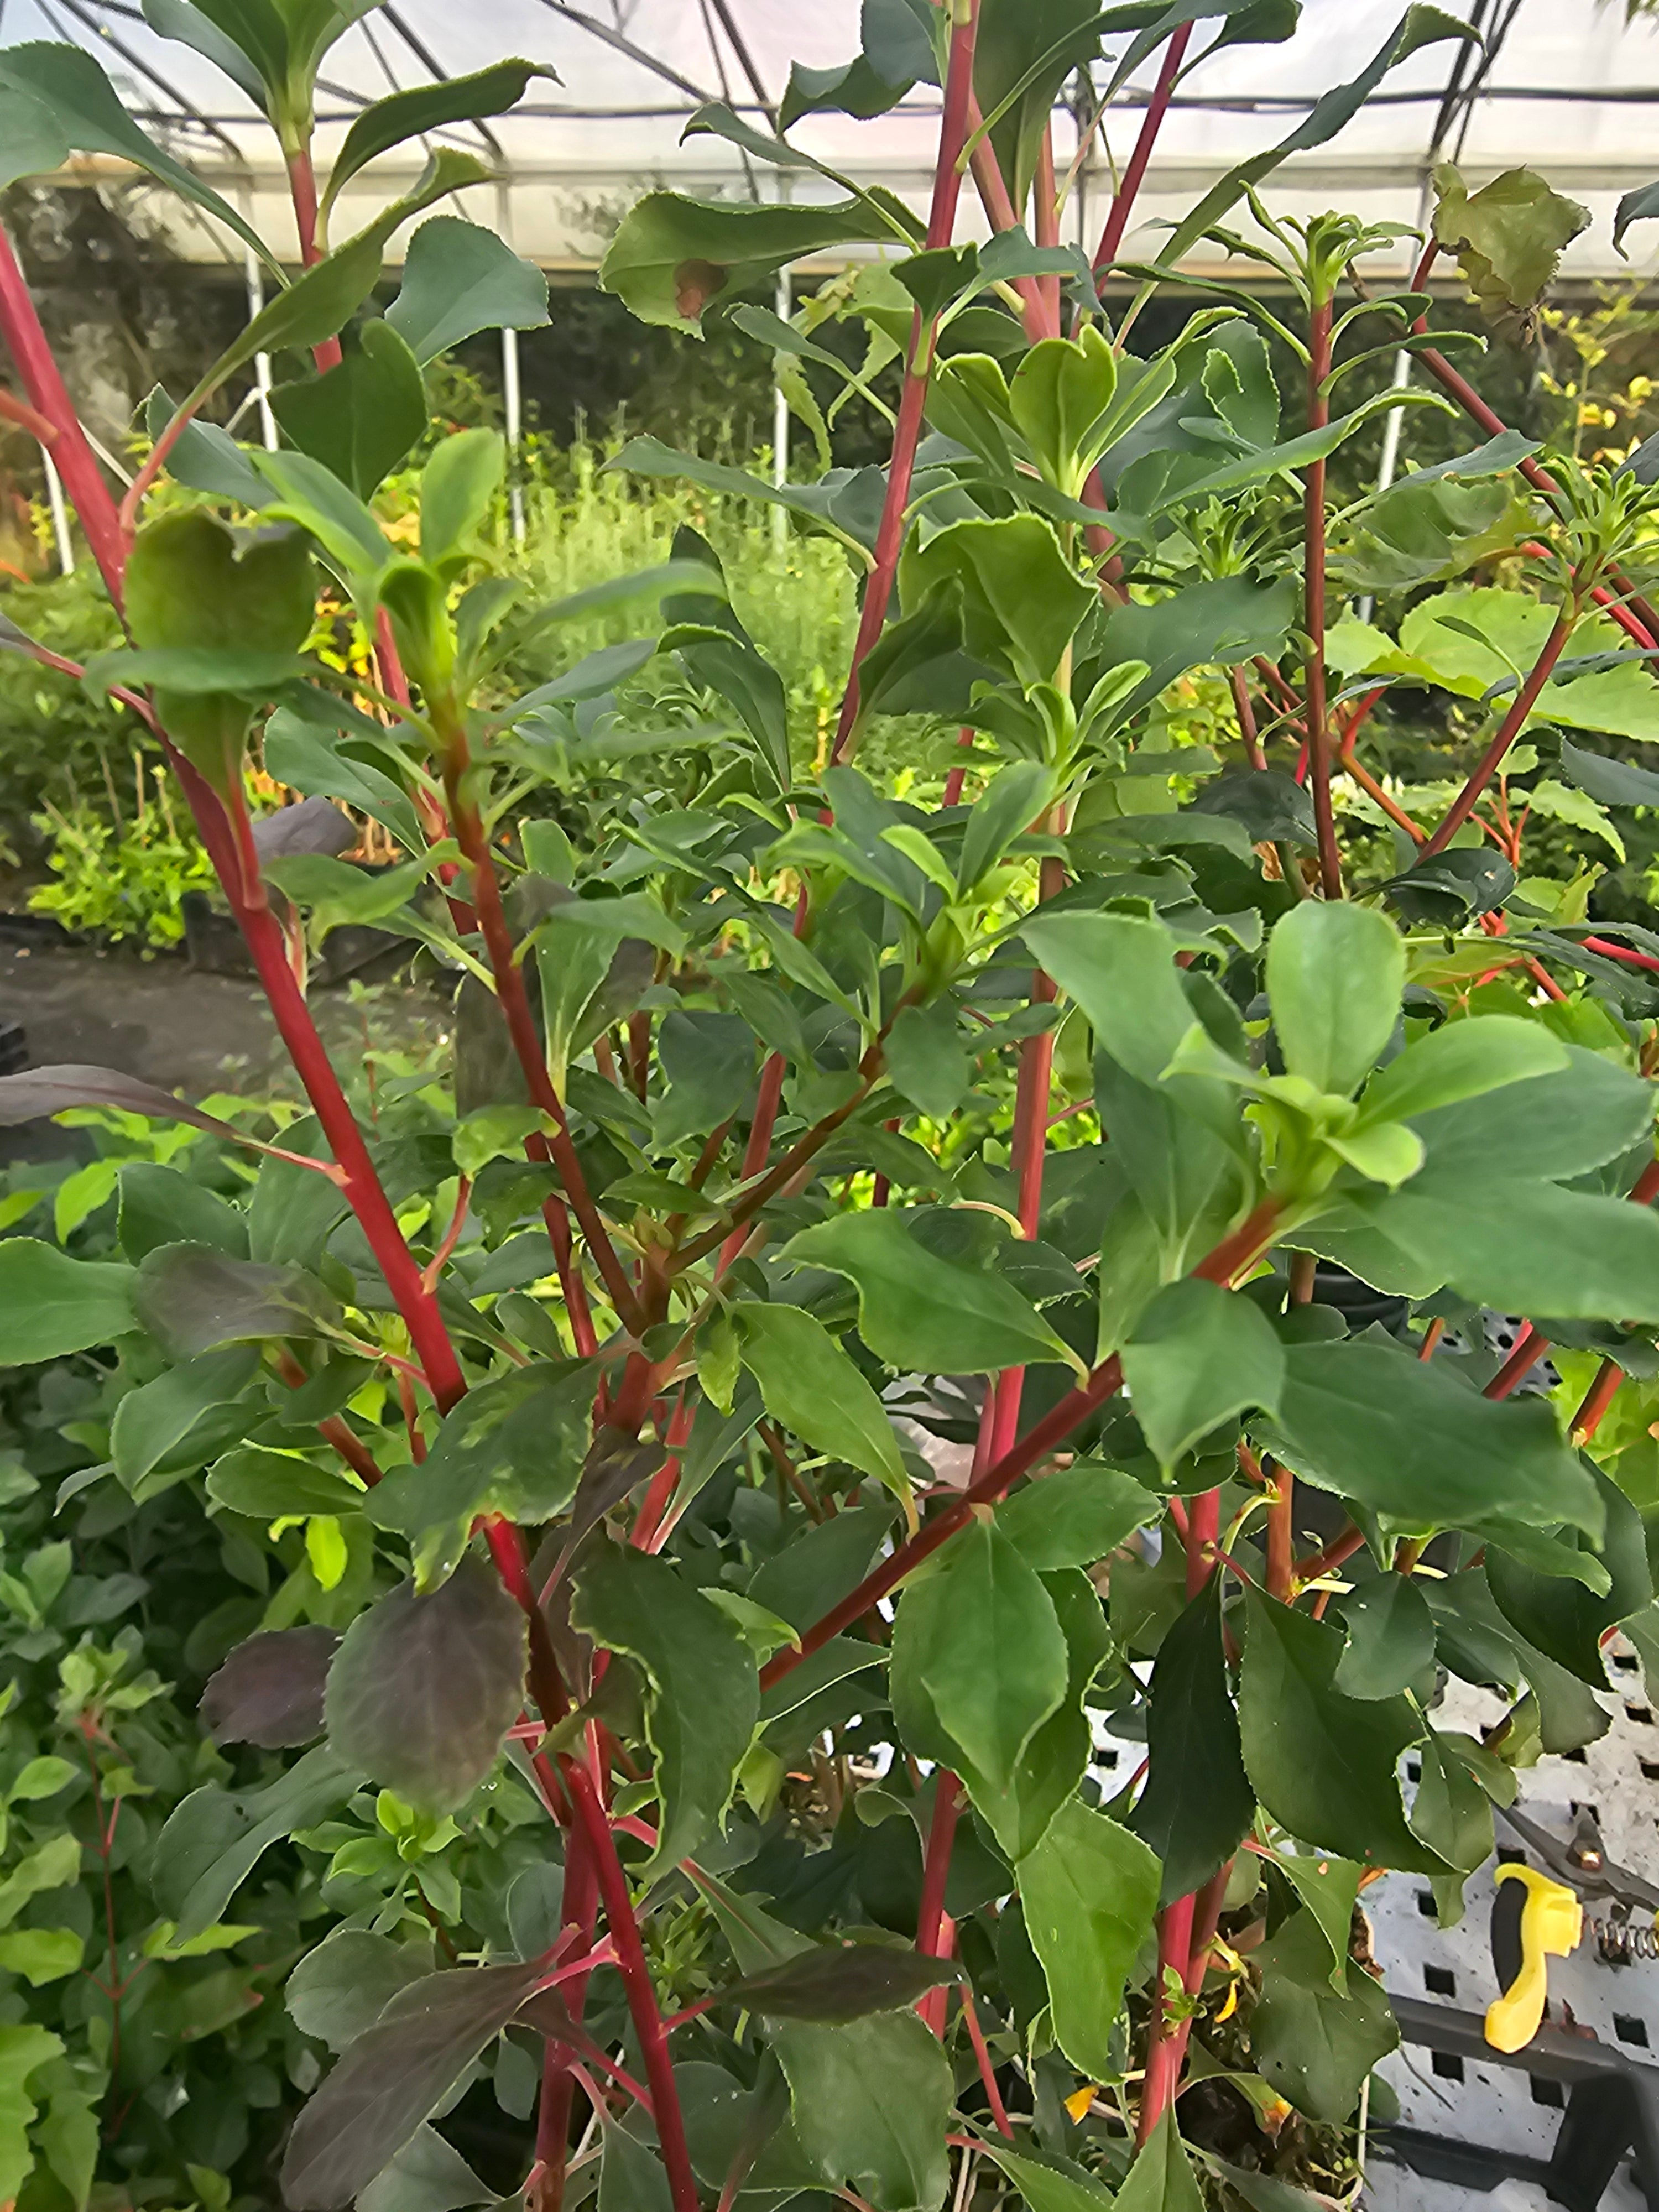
(41, 1090)
(270, 1691)
(191, 1297)
(424, 1689)
(840, 1982)
(393, 2076)
(312, 826)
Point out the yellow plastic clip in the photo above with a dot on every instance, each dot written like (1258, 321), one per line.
(1551, 1923)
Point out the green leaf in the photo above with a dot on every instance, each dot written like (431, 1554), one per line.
(1022, 600)
(817, 1570)
(270, 1485)
(63, 103)
(1197, 1356)
(1334, 975)
(1022, 55)
(981, 1634)
(205, 457)
(1558, 1126)
(1198, 1801)
(317, 305)
(1391, 1638)
(631, 2175)
(704, 1693)
(313, 496)
(23, 2049)
(1451, 1811)
(424, 1688)
(1076, 1516)
(1610, 781)
(154, 1424)
(213, 1840)
(1162, 2178)
(405, 115)
(1417, 28)
(159, 1205)
(428, 2175)
(363, 417)
(191, 587)
(1315, 2046)
(814, 1389)
(1323, 1765)
(513, 1446)
(1090, 1890)
(458, 485)
(927, 1060)
(1508, 237)
(1407, 1438)
(870, 2103)
(51, 1304)
(919, 1311)
(672, 256)
(1045, 2188)
(1556, 1612)
(301, 757)
(41, 1955)
(461, 278)
(1527, 1247)
(396, 2073)
(340, 1990)
(1559, 803)
(40, 1779)
(1328, 1887)
(54, 1864)
(1459, 1060)
(1222, 621)
(836, 1983)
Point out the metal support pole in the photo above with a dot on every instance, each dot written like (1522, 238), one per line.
(256, 300)
(782, 305)
(511, 388)
(511, 393)
(60, 521)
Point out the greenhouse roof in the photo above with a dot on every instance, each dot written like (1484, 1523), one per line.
(1563, 85)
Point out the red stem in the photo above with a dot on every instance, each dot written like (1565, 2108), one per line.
(1000, 213)
(20, 325)
(302, 189)
(889, 534)
(1229, 1259)
(1174, 1945)
(755, 1152)
(1123, 200)
(664, 1483)
(577, 1910)
(1203, 1533)
(1597, 1399)
(932, 1921)
(521, 1027)
(1508, 730)
(636, 1973)
(1246, 714)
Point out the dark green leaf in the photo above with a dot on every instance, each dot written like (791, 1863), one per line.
(1391, 1637)
(153, 1423)
(424, 1689)
(672, 256)
(1558, 1615)
(364, 416)
(819, 1567)
(212, 1842)
(704, 1696)
(159, 1205)
(1316, 2047)
(63, 103)
(919, 1311)
(981, 1636)
(1451, 1811)
(269, 1485)
(926, 1059)
(1198, 1801)
(406, 115)
(811, 1385)
(1323, 1765)
(1162, 2178)
(1407, 1439)
(393, 2076)
(1076, 1516)
(870, 2102)
(1090, 1890)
